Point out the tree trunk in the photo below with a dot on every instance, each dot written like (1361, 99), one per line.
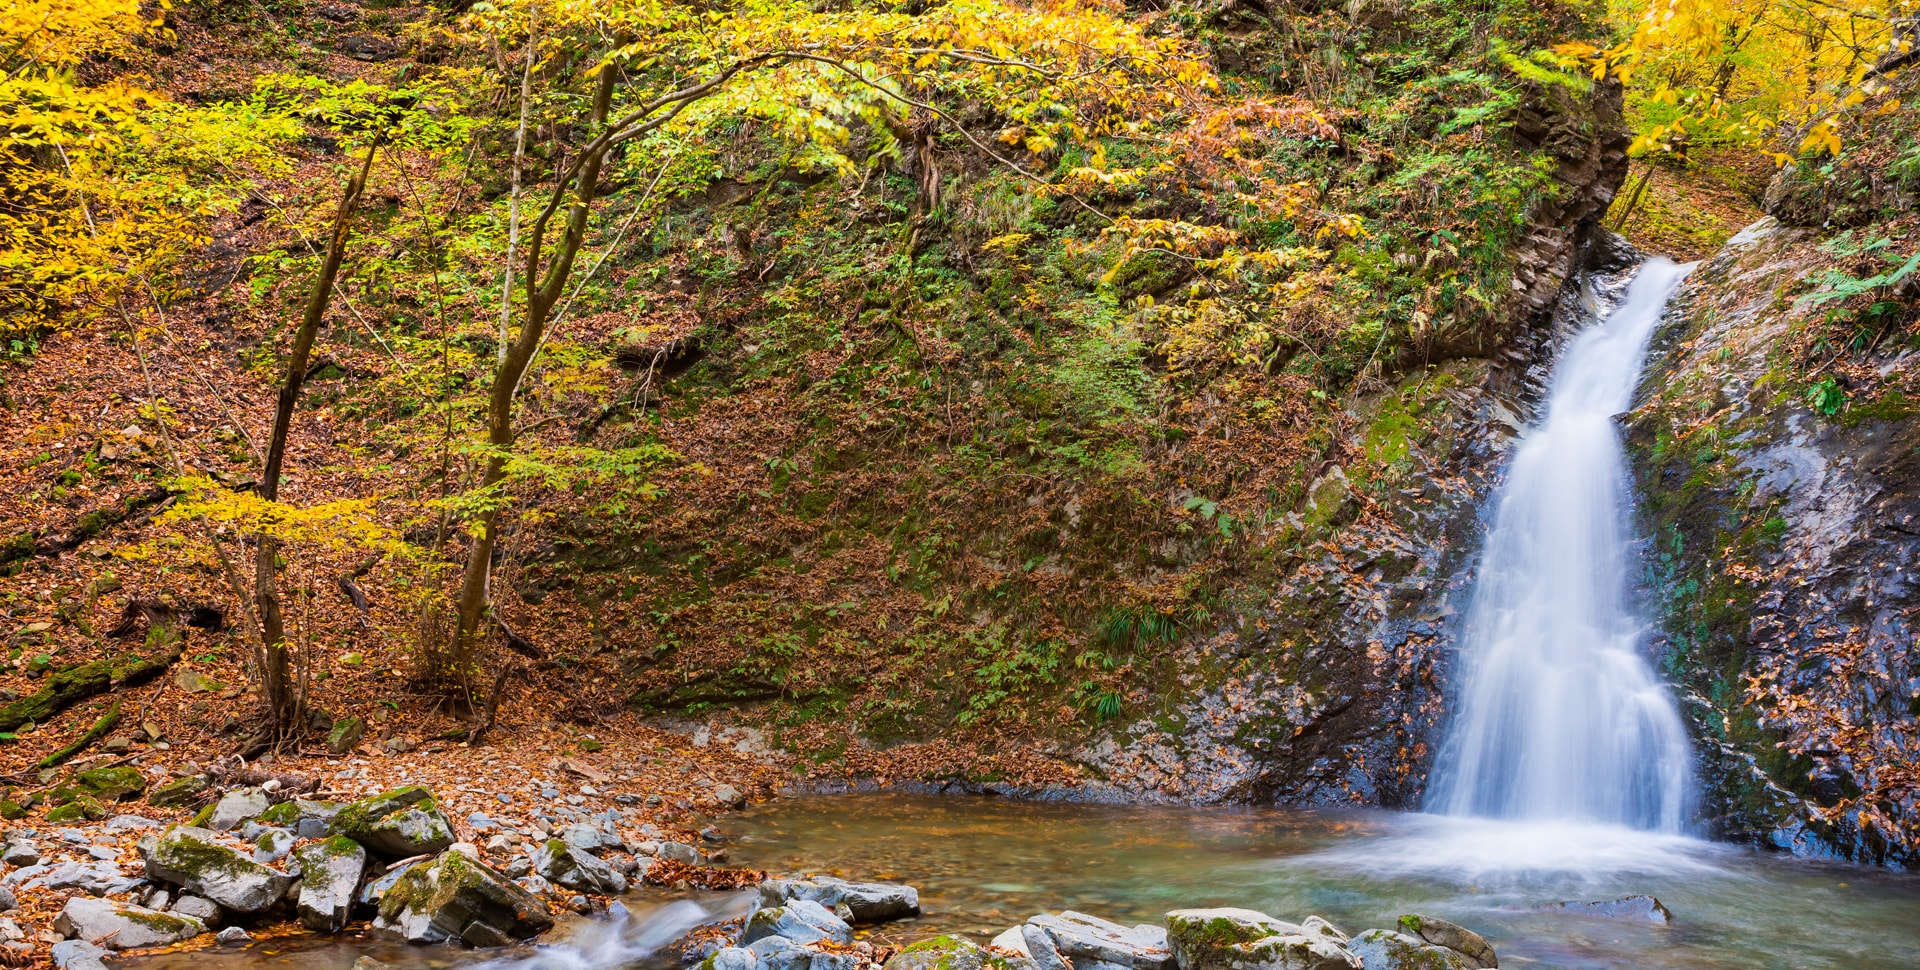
(277, 682)
(541, 297)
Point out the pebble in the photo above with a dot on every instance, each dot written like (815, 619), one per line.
(481, 822)
(550, 793)
(73, 837)
(233, 936)
(102, 852)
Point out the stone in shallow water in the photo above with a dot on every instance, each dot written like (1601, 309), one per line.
(1438, 932)
(456, 897)
(729, 958)
(1644, 908)
(949, 953)
(1216, 939)
(869, 902)
(780, 953)
(801, 921)
(78, 955)
(1080, 937)
(1388, 950)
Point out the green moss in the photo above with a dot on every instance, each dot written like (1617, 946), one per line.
(113, 782)
(286, 815)
(82, 808)
(178, 792)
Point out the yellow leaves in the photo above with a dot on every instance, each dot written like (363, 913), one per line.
(1008, 243)
(1824, 137)
(1344, 224)
(339, 525)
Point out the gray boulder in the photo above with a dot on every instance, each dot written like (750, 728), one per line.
(1388, 950)
(189, 857)
(273, 845)
(1080, 937)
(868, 902)
(1643, 908)
(236, 807)
(577, 869)
(1438, 932)
(329, 873)
(680, 852)
(1242, 939)
(78, 955)
(198, 907)
(402, 822)
(1319, 928)
(948, 953)
(800, 921)
(7, 901)
(457, 897)
(729, 958)
(123, 926)
(96, 878)
(377, 887)
(588, 838)
(20, 852)
(233, 936)
(780, 953)
(308, 818)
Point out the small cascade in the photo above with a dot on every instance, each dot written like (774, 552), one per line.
(1559, 717)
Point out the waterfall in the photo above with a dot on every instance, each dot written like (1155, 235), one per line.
(1558, 716)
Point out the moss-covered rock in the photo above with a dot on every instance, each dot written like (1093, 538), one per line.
(403, 822)
(345, 734)
(81, 808)
(946, 953)
(113, 783)
(578, 869)
(123, 926)
(460, 898)
(329, 872)
(192, 858)
(178, 792)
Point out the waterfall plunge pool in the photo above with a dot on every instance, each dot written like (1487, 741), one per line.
(983, 864)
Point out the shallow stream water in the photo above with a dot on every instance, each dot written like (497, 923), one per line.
(984, 864)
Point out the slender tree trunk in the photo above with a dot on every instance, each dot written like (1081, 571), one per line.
(513, 199)
(1633, 198)
(277, 680)
(541, 297)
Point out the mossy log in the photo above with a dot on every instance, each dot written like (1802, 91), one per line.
(75, 684)
(96, 732)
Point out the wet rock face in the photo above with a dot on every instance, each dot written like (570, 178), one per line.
(864, 902)
(1784, 545)
(123, 926)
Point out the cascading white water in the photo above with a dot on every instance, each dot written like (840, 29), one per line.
(1559, 717)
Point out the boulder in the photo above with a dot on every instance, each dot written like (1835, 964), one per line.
(123, 926)
(113, 784)
(346, 734)
(455, 897)
(1080, 937)
(1644, 908)
(780, 953)
(273, 846)
(94, 878)
(198, 907)
(7, 901)
(1319, 928)
(236, 807)
(869, 902)
(308, 819)
(329, 873)
(1206, 939)
(729, 958)
(1438, 932)
(178, 792)
(233, 936)
(20, 852)
(81, 808)
(1012, 941)
(78, 955)
(947, 953)
(800, 921)
(679, 852)
(1388, 950)
(577, 869)
(190, 858)
(402, 822)
(371, 893)
(587, 838)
